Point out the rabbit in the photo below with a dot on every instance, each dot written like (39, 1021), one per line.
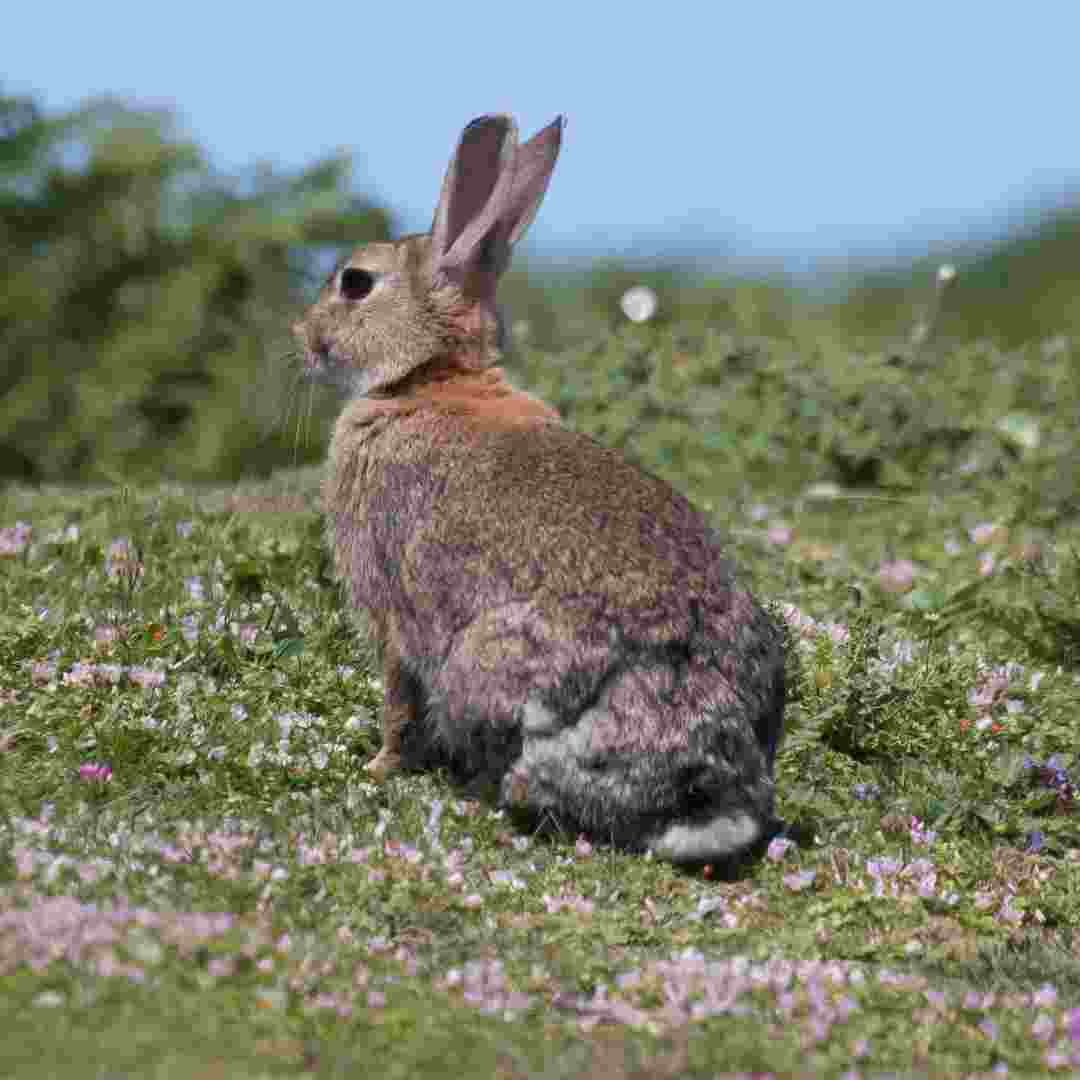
(557, 628)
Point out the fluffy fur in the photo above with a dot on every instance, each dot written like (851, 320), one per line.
(557, 627)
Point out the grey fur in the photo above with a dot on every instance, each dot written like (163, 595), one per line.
(558, 627)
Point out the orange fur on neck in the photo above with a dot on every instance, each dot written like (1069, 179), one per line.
(485, 395)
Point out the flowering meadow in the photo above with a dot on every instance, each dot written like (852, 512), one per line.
(198, 879)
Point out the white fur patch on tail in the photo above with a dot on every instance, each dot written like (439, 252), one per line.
(710, 840)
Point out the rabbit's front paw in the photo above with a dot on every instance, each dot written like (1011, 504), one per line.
(383, 764)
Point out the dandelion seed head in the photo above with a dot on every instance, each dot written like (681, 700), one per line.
(639, 304)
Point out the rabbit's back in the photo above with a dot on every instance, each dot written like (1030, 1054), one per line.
(531, 570)
(468, 516)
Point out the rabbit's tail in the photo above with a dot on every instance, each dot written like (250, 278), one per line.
(718, 839)
(709, 801)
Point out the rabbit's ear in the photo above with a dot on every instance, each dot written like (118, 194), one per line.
(534, 163)
(490, 196)
(480, 169)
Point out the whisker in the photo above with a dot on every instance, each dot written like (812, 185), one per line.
(287, 392)
(300, 429)
(310, 410)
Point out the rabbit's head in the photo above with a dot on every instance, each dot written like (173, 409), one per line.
(427, 302)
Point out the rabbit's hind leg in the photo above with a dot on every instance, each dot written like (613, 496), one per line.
(708, 801)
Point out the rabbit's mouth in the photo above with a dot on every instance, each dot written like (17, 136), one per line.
(318, 361)
(322, 365)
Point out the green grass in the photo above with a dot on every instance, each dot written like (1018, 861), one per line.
(233, 898)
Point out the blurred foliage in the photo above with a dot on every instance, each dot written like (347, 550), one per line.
(551, 309)
(144, 300)
(1020, 288)
(718, 413)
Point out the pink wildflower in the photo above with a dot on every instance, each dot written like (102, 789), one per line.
(1028, 552)
(802, 624)
(24, 861)
(1072, 1024)
(779, 846)
(94, 773)
(897, 576)
(987, 532)
(82, 674)
(42, 672)
(575, 902)
(105, 636)
(921, 835)
(799, 880)
(990, 690)
(147, 678)
(780, 535)
(122, 561)
(1043, 1028)
(220, 967)
(1008, 913)
(14, 539)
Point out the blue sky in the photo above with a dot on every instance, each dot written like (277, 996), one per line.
(771, 129)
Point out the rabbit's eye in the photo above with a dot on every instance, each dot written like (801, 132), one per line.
(355, 284)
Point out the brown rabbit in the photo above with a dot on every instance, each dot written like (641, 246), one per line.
(555, 624)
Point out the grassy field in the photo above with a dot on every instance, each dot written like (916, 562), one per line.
(197, 880)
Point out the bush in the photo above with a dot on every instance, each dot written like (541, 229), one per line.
(143, 297)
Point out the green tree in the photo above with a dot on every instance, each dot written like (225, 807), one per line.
(144, 300)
